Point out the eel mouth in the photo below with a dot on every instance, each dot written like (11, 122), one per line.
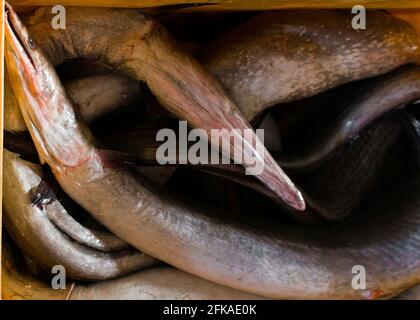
(21, 44)
(42, 99)
(21, 59)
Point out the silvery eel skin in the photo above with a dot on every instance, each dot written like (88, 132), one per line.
(358, 110)
(278, 261)
(334, 192)
(337, 187)
(155, 283)
(92, 96)
(138, 46)
(280, 56)
(38, 236)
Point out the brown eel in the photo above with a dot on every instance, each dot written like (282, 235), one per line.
(274, 260)
(35, 230)
(280, 56)
(357, 111)
(138, 46)
(92, 96)
(156, 283)
(333, 191)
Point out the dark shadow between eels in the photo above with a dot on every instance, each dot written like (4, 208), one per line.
(347, 155)
(333, 191)
(355, 112)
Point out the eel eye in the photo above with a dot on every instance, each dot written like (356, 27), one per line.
(31, 43)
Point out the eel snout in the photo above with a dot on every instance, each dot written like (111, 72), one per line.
(43, 103)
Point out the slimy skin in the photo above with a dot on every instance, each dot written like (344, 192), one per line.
(96, 239)
(38, 236)
(335, 190)
(156, 283)
(379, 97)
(97, 95)
(161, 283)
(92, 96)
(138, 46)
(281, 56)
(338, 186)
(273, 260)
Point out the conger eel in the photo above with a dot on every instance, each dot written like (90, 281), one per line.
(91, 256)
(280, 56)
(138, 46)
(279, 261)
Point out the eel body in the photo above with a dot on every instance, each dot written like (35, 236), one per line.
(274, 260)
(279, 56)
(357, 111)
(92, 96)
(138, 46)
(34, 230)
(156, 283)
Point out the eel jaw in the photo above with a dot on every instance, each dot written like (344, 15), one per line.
(44, 105)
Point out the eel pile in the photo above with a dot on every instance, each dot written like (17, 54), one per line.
(84, 188)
